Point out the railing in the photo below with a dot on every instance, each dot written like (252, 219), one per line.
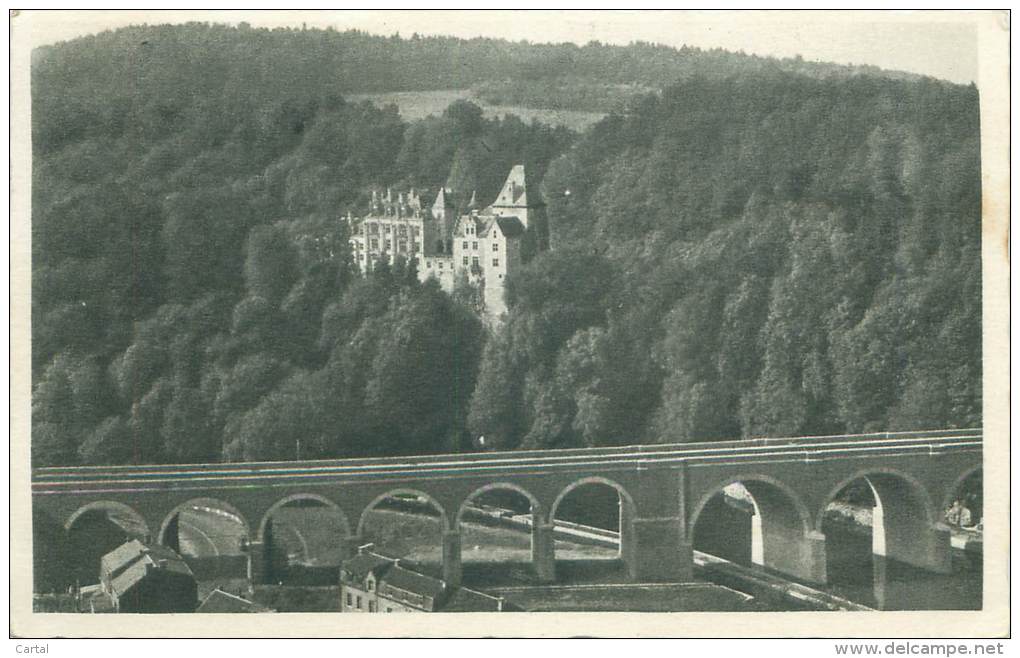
(641, 456)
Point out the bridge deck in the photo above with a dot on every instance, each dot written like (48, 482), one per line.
(815, 448)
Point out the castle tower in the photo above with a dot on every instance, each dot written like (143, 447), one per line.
(515, 199)
(442, 207)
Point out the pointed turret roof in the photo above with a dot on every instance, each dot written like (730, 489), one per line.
(514, 193)
(443, 199)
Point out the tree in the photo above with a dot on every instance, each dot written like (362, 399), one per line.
(109, 443)
(270, 265)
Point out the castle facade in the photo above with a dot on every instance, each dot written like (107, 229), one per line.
(448, 241)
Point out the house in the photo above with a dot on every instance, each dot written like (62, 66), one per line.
(137, 577)
(371, 582)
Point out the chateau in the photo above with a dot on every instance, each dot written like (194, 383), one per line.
(451, 238)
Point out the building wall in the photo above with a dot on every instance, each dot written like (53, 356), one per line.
(440, 268)
(159, 593)
(355, 599)
(385, 238)
(386, 600)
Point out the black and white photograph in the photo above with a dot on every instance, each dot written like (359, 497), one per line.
(648, 313)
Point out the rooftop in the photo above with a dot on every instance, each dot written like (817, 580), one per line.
(130, 562)
(414, 582)
(219, 601)
(367, 562)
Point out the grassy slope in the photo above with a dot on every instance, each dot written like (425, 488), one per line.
(414, 105)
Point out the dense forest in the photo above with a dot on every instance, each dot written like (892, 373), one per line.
(757, 249)
(757, 255)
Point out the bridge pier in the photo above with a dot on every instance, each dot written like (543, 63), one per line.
(543, 555)
(452, 566)
(659, 551)
(795, 552)
(258, 561)
(923, 545)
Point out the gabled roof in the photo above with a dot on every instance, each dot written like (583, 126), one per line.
(220, 601)
(514, 193)
(363, 564)
(122, 555)
(132, 561)
(411, 581)
(142, 569)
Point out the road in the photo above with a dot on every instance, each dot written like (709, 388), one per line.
(208, 533)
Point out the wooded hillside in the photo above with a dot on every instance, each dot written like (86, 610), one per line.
(747, 253)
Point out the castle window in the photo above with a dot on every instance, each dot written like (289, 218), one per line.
(495, 262)
(375, 243)
(428, 264)
(465, 244)
(440, 264)
(386, 229)
(349, 601)
(371, 606)
(416, 246)
(389, 243)
(402, 246)
(495, 246)
(474, 245)
(402, 230)
(465, 260)
(358, 603)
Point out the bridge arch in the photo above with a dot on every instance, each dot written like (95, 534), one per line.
(625, 496)
(905, 525)
(761, 488)
(444, 519)
(537, 512)
(92, 531)
(283, 502)
(774, 532)
(212, 503)
(591, 542)
(890, 486)
(106, 506)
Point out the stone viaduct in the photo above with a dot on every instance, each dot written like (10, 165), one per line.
(663, 493)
